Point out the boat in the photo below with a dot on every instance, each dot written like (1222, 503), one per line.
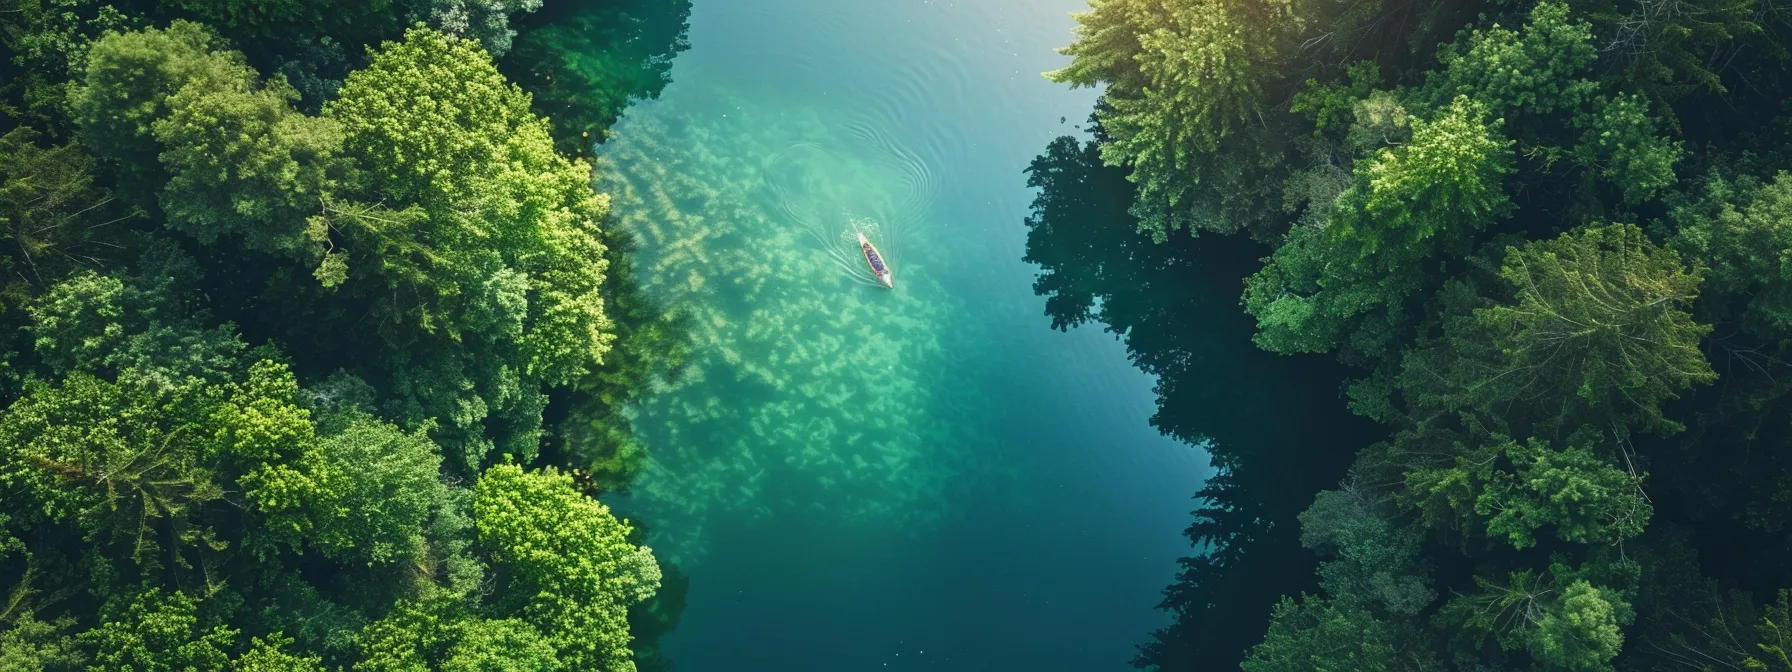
(878, 268)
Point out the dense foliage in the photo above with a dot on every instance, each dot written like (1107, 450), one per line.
(288, 289)
(1547, 240)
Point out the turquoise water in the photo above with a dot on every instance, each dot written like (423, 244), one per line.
(861, 478)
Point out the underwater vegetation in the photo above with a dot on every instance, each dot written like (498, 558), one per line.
(800, 179)
(840, 389)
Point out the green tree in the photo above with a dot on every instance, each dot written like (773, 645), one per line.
(508, 644)
(239, 161)
(125, 90)
(52, 212)
(1536, 79)
(156, 632)
(1445, 181)
(1599, 333)
(149, 418)
(1564, 622)
(1483, 215)
(1180, 76)
(1741, 231)
(1664, 49)
(122, 462)
(47, 41)
(144, 326)
(267, 656)
(1334, 107)
(1535, 71)
(1773, 636)
(1346, 285)
(1622, 144)
(242, 162)
(175, 499)
(1373, 563)
(134, 464)
(574, 573)
(494, 290)
(1581, 495)
(440, 631)
(31, 645)
(1512, 489)
(483, 277)
(1314, 634)
(1583, 632)
(485, 21)
(361, 494)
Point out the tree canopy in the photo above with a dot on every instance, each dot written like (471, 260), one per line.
(1546, 243)
(428, 197)
(493, 276)
(287, 287)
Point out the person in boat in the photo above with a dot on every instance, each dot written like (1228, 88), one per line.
(876, 261)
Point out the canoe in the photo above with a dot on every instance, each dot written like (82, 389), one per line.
(878, 268)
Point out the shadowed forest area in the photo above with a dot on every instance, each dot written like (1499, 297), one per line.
(1539, 249)
(316, 335)
(1256, 414)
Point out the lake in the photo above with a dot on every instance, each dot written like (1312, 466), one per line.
(854, 477)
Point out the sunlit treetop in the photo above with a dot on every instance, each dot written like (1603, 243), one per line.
(1182, 76)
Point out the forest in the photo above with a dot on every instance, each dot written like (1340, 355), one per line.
(314, 335)
(1542, 254)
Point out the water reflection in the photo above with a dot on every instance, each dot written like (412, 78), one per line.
(1274, 425)
(585, 61)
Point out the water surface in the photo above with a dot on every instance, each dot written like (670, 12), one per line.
(860, 478)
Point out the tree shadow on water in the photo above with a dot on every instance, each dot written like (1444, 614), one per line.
(1274, 426)
(586, 61)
